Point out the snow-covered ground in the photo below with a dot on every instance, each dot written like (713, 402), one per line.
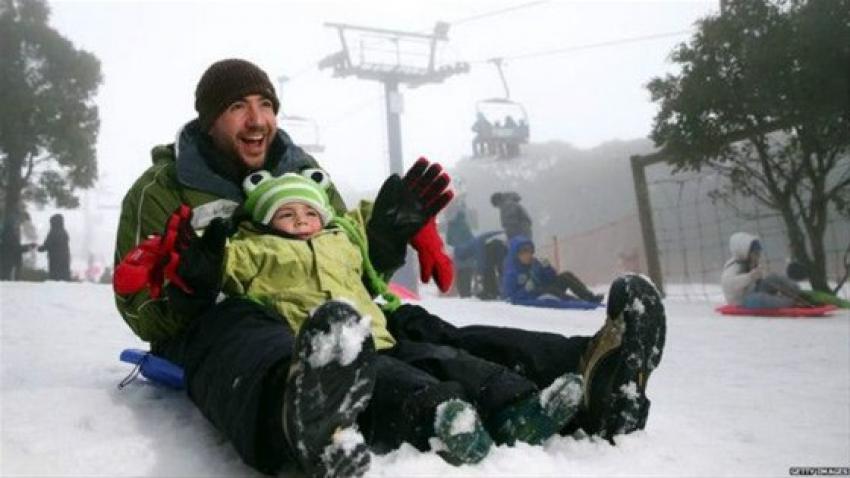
(732, 397)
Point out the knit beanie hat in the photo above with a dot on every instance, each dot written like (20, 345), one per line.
(266, 194)
(226, 81)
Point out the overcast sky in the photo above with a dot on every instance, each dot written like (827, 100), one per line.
(152, 54)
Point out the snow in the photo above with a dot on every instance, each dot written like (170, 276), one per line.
(562, 391)
(342, 343)
(463, 422)
(732, 397)
(638, 306)
(347, 439)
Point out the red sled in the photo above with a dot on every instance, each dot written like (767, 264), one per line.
(402, 291)
(819, 311)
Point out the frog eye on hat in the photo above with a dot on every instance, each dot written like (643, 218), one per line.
(254, 179)
(320, 177)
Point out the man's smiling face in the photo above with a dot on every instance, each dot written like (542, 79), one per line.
(245, 130)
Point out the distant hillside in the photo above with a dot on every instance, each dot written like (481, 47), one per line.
(566, 190)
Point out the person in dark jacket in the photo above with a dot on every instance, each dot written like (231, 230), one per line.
(486, 253)
(483, 132)
(245, 368)
(58, 250)
(526, 277)
(458, 235)
(515, 220)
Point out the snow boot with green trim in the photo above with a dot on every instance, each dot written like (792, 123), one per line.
(534, 419)
(463, 438)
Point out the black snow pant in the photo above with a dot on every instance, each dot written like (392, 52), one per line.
(541, 357)
(235, 358)
(463, 281)
(413, 378)
(566, 282)
(491, 274)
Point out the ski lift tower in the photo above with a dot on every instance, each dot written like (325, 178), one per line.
(393, 58)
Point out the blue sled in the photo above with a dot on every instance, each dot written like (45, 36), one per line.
(156, 369)
(558, 303)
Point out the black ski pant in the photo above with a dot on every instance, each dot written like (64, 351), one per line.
(235, 358)
(491, 273)
(413, 378)
(566, 282)
(463, 281)
(541, 357)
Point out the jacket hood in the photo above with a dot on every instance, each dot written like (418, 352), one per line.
(516, 243)
(194, 171)
(57, 221)
(740, 244)
(497, 199)
(510, 196)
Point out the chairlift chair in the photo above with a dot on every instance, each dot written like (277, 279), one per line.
(506, 124)
(496, 110)
(303, 131)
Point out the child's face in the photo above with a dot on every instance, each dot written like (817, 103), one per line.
(525, 256)
(296, 219)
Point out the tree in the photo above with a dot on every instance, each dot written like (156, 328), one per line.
(763, 98)
(49, 122)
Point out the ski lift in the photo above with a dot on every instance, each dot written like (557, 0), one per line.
(501, 124)
(303, 131)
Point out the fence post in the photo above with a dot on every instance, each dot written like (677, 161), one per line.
(557, 255)
(647, 228)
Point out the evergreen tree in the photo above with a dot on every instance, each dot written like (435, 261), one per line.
(48, 124)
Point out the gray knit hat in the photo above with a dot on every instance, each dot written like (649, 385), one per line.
(226, 81)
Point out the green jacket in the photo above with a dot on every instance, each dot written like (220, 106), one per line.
(294, 276)
(181, 175)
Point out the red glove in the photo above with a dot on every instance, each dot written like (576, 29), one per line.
(430, 184)
(433, 260)
(156, 258)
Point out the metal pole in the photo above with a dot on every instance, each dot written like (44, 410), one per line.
(393, 100)
(647, 228)
(408, 275)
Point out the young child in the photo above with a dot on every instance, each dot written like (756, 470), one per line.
(745, 282)
(527, 278)
(295, 256)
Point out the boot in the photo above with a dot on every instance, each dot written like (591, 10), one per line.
(620, 357)
(330, 382)
(535, 419)
(458, 427)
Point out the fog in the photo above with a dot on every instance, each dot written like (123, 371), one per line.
(578, 68)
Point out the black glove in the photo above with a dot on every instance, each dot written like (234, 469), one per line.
(200, 268)
(401, 208)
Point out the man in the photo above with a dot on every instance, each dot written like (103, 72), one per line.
(245, 369)
(514, 219)
(265, 389)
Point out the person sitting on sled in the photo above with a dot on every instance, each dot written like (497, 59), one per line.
(242, 362)
(527, 278)
(746, 283)
(295, 255)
